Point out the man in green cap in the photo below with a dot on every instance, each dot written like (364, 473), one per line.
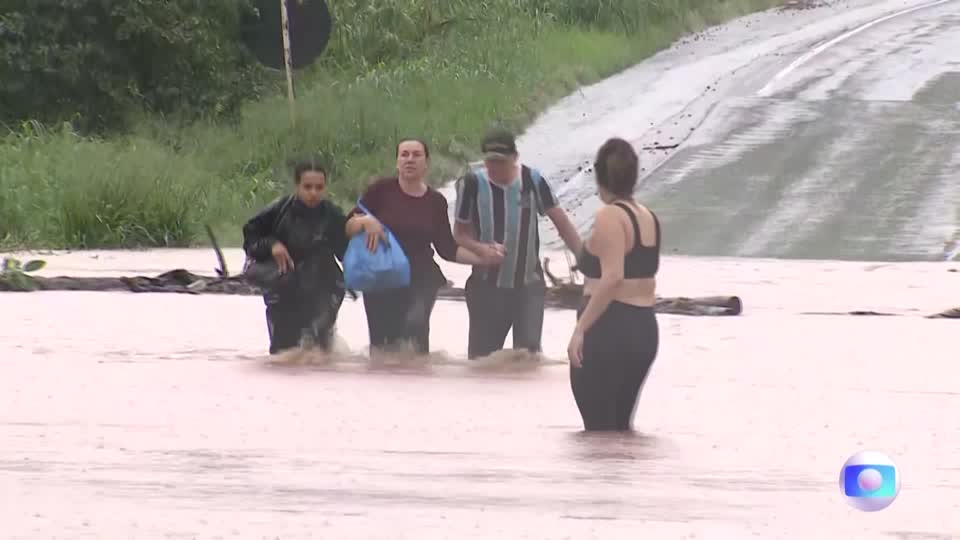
(498, 204)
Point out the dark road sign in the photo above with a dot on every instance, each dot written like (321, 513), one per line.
(310, 27)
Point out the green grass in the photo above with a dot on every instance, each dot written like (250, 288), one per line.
(496, 61)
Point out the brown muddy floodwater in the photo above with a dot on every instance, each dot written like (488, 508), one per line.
(157, 416)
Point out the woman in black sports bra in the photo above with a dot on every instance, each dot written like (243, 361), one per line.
(616, 338)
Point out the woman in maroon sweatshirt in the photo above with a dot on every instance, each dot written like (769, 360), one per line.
(417, 216)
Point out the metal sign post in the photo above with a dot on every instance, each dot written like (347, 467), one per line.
(287, 61)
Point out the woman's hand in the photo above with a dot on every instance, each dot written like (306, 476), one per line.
(374, 231)
(575, 349)
(282, 256)
(492, 254)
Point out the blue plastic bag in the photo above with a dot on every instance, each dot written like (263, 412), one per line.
(385, 268)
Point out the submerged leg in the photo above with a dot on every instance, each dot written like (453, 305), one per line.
(282, 326)
(595, 384)
(529, 303)
(386, 316)
(641, 338)
(419, 310)
(319, 318)
(489, 310)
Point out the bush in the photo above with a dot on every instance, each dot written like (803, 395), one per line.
(62, 189)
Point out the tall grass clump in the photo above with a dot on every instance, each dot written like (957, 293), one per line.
(443, 70)
(57, 188)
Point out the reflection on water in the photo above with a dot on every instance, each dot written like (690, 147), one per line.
(154, 415)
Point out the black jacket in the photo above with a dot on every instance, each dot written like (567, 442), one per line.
(313, 236)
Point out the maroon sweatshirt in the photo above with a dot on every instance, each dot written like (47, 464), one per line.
(420, 224)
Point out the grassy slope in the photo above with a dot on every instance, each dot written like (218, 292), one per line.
(157, 187)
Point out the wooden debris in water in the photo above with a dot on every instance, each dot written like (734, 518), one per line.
(562, 295)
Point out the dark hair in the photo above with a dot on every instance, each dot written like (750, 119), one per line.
(426, 149)
(617, 167)
(307, 166)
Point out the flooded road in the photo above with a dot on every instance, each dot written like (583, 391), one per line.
(158, 416)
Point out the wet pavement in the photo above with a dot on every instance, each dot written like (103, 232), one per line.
(158, 415)
(829, 133)
(853, 155)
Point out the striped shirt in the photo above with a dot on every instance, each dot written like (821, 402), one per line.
(504, 214)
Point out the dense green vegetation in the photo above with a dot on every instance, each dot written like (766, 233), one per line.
(136, 128)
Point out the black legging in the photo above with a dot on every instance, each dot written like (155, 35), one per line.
(302, 318)
(618, 351)
(400, 315)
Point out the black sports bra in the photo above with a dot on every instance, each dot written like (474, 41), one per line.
(640, 262)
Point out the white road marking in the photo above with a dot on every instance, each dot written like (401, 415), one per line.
(767, 89)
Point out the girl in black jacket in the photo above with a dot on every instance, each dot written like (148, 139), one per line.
(303, 235)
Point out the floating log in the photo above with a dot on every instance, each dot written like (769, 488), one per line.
(569, 294)
(184, 282)
(565, 296)
(952, 313)
(705, 305)
(174, 281)
(701, 306)
(561, 294)
(859, 312)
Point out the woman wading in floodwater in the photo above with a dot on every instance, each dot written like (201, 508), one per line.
(417, 216)
(304, 235)
(616, 337)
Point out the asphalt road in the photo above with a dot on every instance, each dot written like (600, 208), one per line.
(831, 133)
(855, 154)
